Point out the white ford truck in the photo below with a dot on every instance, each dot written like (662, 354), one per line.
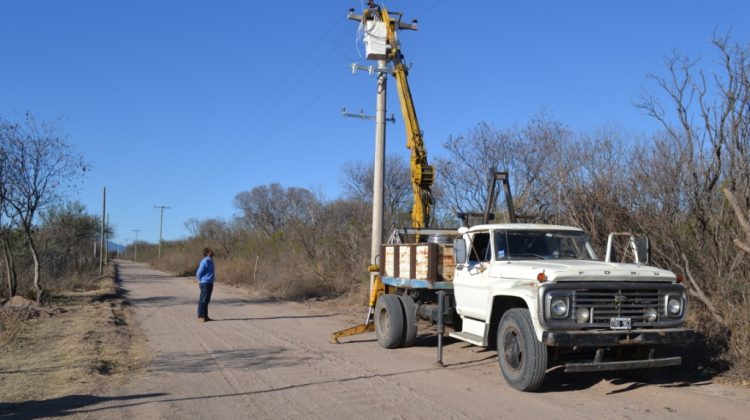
(539, 294)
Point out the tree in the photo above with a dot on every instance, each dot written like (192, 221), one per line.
(703, 191)
(398, 197)
(41, 169)
(65, 235)
(533, 155)
(271, 208)
(7, 216)
(215, 230)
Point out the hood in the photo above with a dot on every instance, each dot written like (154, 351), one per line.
(582, 270)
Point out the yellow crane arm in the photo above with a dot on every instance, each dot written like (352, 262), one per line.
(422, 173)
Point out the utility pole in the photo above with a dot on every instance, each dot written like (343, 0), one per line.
(135, 245)
(379, 160)
(106, 242)
(104, 222)
(379, 167)
(161, 223)
(126, 248)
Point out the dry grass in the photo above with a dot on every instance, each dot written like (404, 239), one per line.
(82, 342)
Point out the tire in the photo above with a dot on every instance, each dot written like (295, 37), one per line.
(410, 320)
(389, 321)
(522, 358)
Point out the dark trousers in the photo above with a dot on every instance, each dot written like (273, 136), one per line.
(206, 289)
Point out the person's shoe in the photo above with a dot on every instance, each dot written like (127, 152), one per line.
(201, 319)
(207, 319)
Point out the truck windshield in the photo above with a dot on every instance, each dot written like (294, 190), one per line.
(530, 244)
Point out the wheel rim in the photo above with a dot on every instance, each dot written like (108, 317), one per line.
(383, 318)
(513, 348)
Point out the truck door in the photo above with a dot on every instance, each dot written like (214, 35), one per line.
(471, 284)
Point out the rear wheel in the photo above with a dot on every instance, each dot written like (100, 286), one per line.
(389, 321)
(522, 358)
(410, 320)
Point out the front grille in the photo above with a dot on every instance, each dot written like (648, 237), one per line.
(609, 303)
(608, 300)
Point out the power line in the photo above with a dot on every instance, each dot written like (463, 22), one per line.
(292, 118)
(276, 105)
(215, 151)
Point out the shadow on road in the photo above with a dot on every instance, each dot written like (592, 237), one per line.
(559, 381)
(261, 318)
(235, 360)
(61, 406)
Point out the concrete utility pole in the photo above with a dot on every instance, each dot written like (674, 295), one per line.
(379, 167)
(379, 159)
(126, 248)
(135, 245)
(104, 222)
(161, 223)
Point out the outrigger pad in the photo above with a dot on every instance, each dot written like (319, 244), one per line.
(359, 329)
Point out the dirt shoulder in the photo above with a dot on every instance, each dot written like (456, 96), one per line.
(80, 342)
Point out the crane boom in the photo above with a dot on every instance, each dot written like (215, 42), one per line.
(422, 173)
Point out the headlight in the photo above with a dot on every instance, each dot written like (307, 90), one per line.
(582, 315)
(650, 315)
(559, 307)
(674, 305)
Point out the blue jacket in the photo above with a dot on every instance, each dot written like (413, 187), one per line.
(205, 271)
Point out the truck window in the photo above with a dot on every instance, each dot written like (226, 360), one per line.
(526, 245)
(501, 245)
(480, 248)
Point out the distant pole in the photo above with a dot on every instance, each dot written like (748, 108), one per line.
(126, 247)
(106, 241)
(104, 221)
(135, 245)
(161, 223)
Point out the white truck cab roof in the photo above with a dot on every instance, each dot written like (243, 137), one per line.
(524, 226)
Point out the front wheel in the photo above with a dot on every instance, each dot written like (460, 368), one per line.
(523, 358)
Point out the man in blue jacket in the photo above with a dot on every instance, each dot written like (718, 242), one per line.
(205, 275)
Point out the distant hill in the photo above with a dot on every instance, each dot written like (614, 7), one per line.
(115, 247)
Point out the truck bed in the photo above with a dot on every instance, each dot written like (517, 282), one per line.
(421, 265)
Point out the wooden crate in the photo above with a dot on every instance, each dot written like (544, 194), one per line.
(425, 261)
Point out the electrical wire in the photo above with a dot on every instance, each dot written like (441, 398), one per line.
(294, 116)
(215, 152)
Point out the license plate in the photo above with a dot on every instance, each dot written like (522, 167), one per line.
(619, 323)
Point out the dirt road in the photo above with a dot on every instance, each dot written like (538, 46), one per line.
(264, 359)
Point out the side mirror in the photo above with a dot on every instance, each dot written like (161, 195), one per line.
(643, 249)
(459, 250)
(626, 247)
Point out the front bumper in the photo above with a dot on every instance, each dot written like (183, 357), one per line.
(624, 365)
(608, 338)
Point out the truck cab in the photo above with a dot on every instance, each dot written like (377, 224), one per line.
(539, 293)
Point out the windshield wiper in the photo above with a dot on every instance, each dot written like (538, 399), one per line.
(527, 254)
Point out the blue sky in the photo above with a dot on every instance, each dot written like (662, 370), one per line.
(187, 103)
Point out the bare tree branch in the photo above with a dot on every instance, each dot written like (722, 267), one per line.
(697, 291)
